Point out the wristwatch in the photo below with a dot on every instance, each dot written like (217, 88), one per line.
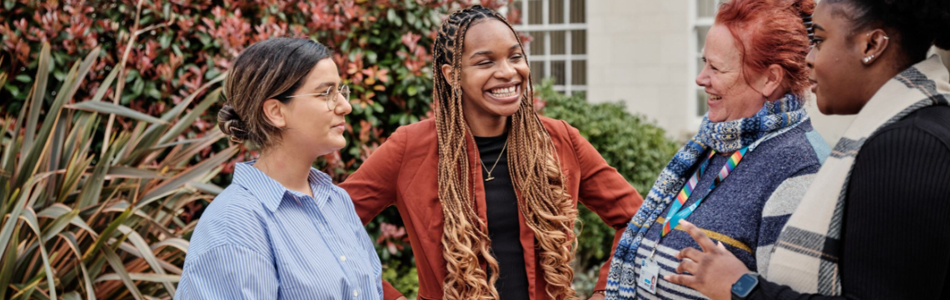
(745, 286)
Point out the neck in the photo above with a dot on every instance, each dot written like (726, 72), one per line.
(290, 168)
(486, 125)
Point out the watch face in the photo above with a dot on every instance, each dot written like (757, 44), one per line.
(745, 285)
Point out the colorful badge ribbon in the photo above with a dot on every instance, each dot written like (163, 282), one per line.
(674, 216)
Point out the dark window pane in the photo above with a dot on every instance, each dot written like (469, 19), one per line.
(537, 70)
(536, 46)
(578, 41)
(535, 12)
(579, 72)
(558, 72)
(556, 15)
(578, 11)
(558, 42)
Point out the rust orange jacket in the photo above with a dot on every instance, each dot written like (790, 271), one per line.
(403, 172)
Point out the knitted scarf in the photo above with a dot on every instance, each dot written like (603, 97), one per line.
(775, 118)
(806, 255)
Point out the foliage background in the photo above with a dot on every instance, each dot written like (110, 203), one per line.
(173, 47)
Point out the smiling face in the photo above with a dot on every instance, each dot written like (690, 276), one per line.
(835, 60)
(310, 124)
(731, 97)
(494, 72)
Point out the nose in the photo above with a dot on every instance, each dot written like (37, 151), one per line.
(703, 78)
(506, 71)
(343, 106)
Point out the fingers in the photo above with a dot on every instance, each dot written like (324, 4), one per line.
(687, 280)
(687, 265)
(704, 241)
(690, 253)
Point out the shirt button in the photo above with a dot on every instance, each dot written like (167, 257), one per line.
(356, 293)
(342, 258)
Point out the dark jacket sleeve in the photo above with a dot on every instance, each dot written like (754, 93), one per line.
(896, 239)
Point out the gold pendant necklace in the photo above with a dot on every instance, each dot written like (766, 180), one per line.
(490, 178)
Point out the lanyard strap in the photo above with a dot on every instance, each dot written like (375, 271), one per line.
(676, 212)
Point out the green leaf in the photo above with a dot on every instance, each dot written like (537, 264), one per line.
(116, 263)
(141, 277)
(411, 90)
(147, 254)
(109, 108)
(129, 172)
(39, 92)
(9, 263)
(30, 217)
(190, 118)
(186, 176)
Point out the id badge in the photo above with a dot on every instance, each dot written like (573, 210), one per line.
(649, 274)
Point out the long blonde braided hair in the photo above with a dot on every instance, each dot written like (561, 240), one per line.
(535, 170)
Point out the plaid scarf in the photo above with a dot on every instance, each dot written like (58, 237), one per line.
(775, 118)
(806, 255)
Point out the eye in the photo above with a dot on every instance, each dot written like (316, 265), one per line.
(517, 57)
(816, 43)
(483, 63)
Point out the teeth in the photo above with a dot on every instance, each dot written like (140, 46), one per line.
(714, 97)
(504, 92)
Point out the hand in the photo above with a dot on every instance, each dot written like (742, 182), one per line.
(597, 296)
(714, 269)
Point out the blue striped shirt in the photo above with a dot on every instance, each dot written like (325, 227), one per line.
(259, 240)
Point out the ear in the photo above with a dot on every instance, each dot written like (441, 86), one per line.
(873, 45)
(774, 77)
(274, 112)
(447, 72)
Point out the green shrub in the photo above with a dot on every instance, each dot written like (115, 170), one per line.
(637, 149)
(80, 223)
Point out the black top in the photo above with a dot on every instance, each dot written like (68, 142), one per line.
(896, 235)
(503, 225)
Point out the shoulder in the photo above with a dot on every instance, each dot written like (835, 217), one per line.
(234, 218)
(799, 147)
(421, 132)
(559, 130)
(930, 125)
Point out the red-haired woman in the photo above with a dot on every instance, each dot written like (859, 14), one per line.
(743, 174)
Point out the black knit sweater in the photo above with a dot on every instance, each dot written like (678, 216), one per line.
(501, 204)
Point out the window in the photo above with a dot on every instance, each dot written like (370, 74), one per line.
(558, 48)
(703, 13)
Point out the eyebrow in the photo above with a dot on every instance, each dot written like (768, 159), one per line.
(818, 27)
(488, 52)
(323, 86)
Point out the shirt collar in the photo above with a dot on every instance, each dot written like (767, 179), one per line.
(270, 192)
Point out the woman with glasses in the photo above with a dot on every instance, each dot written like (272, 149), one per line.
(282, 230)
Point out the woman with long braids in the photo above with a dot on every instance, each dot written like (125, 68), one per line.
(488, 189)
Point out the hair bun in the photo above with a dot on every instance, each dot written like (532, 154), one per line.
(942, 28)
(231, 124)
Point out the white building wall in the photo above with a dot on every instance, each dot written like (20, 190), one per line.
(638, 52)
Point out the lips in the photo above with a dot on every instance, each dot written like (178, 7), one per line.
(505, 93)
(814, 85)
(341, 126)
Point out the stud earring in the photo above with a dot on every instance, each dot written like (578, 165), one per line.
(868, 59)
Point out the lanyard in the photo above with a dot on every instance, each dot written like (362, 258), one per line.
(677, 212)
